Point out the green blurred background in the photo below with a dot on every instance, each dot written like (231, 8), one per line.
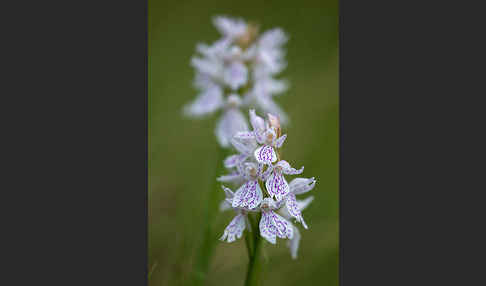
(182, 151)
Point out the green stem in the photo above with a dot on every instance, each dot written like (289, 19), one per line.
(257, 261)
(209, 236)
(249, 242)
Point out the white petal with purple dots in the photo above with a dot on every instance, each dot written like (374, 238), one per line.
(248, 195)
(234, 229)
(287, 169)
(265, 154)
(294, 210)
(277, 186)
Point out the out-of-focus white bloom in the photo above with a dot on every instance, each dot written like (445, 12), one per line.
(269, 53)
(208, 101)
(242, 63)
(235, 75)
(230, 28)
(231, 122)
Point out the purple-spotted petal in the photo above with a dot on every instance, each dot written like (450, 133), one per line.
(287, 169)
(254, 195)
(279, 142)
(265, 154)
(259, 168)
(277, 186)
(267, 227)
(301, 205)
(234, 229)
(294, 210)
(266, 173)
(283, 227)
(248, 196)
(302, 185)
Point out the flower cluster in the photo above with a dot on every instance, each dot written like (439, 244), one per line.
(238, 70)
(259, 171)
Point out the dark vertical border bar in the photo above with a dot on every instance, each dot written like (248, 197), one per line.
(409, 143)
(87, 146)
(145, 264)
(146, 143)
(340, 197)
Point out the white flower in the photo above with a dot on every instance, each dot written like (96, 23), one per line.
(298, 186)
(293, 243)
(270, 54)
(266, 134)
(276, 184)
(272, 224)
(239, 62)
(235, 75)
(249, 167)
(249, 195)
(235, 228)
(207, 102)
(231, 122)
(230, 28)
